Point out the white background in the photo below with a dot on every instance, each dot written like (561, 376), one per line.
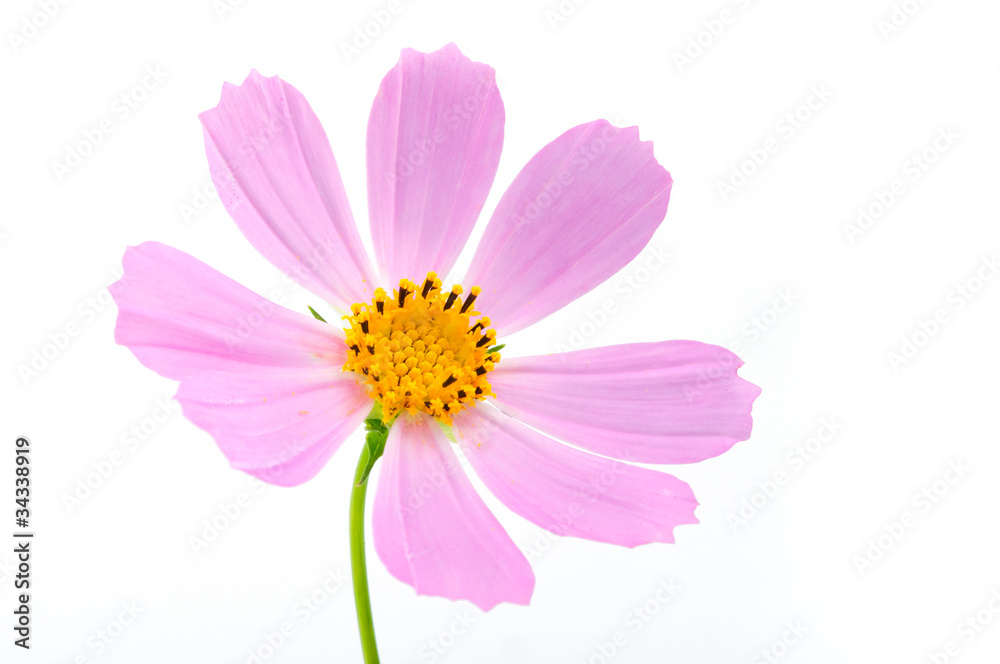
(888, 90)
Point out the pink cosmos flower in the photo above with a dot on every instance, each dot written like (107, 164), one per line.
(280, 391)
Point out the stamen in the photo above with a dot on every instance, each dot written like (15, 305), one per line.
(473, 294)
(428, 284)
(456, 290)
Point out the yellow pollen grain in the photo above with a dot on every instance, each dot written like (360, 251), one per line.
(421, 349)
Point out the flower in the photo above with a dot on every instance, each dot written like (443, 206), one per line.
(550, 436)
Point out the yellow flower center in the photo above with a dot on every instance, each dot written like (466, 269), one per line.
(416, 351)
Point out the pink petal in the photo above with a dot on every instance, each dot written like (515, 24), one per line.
(570, 492)
(280, 424)
(264, 381)
(179, 317)
(664, 402)
(275, 172)
(579, 211)
(434, 139)
(434, 532)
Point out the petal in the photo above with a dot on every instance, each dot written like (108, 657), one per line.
(179, 317)
(275, 173)
(264, 381)
(570, 492)
(434, 139)
(279, 424)
(433, 531)
(664, 402)
(578, 212)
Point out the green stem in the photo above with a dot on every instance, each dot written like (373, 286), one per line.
(359, 571)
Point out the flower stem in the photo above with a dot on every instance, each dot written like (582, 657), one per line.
(359, 570)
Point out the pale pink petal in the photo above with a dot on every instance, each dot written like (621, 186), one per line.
(280, 424)
(579, 211)
(663, 402)
(265, 381)
(434, 139)
(570, 492)
(180, 317)
(433, 531)
(276, 175)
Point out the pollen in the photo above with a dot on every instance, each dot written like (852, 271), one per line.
(421, 349)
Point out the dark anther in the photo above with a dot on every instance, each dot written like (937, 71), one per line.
(428, 284)
(451, 379)
(371, 349)
(479, 372)
(380, 305)
(475, 327)
(460, 394)
(468, 303)
(357, 351)
(483, 341)
(446, 408)
(479, 390)
(402, 295)
(364, 326)
(451, 300)
(364, 370)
